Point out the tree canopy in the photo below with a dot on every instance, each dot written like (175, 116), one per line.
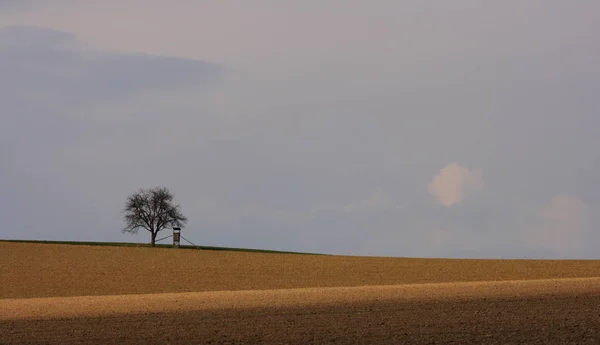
(153, 210)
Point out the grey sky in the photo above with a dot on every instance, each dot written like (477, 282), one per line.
(402, 128)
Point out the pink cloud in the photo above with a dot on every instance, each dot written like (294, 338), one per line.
(454, 183)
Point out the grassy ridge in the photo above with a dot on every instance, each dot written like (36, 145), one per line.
(129, 244)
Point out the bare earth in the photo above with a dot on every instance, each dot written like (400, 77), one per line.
(289, 299)
(48, 270)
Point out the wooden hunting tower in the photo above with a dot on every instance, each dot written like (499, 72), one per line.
(176, 237)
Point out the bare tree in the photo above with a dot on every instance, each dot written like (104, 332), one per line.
(153, 210)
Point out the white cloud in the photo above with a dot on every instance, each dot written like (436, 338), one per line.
(454, 183)
(562, 225)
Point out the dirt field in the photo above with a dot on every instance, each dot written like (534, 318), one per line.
(561, 311)
(48, 270)
(163, 296)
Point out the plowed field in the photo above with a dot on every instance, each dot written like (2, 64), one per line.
(58, 294)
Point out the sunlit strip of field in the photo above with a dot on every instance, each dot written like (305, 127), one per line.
(555, 311)
(93, 306)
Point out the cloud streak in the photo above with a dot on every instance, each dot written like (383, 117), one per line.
(52, 65)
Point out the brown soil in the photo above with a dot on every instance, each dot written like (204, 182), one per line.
(547, 311)
(144, 295)
(47, 270)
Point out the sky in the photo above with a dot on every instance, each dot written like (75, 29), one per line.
(387, 128)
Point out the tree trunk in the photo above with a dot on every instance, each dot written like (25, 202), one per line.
(154, 239)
